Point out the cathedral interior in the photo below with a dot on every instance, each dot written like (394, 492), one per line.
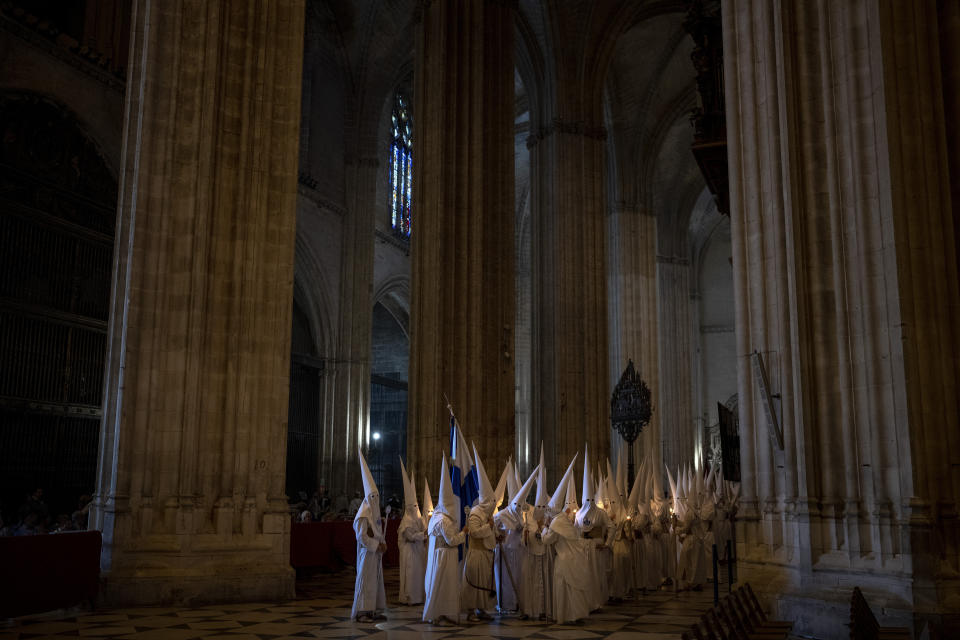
(243, 241)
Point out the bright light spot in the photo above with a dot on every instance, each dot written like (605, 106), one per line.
(376, 435)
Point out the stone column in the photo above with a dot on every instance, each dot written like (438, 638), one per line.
(351, 370)
(571, 377)
(463, 284)
(190, 486)
(678, 431)
(634, 319)
(846, 283)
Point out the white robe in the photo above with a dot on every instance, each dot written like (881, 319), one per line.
(478, 589)
(691, 564)
(571, 600)
(442, 582)
(368, 592)
(536, 595)
(622, 570)
(508, 558)
(596, 529)
(411, 538)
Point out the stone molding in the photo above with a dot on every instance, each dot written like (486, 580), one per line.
(393, 240)
(673, 260)
(63, 48)
(717, 328)
(568, 127)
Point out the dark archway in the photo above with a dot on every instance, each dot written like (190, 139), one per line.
(306, 403)
(58, 204)
(390, 349)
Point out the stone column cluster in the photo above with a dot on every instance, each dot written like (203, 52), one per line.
(571, 383)
(634, 319)
(846, 284)
(681, 437)
(190, 489)
(463, 280)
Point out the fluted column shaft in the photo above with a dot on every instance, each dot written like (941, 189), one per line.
(463, 282)
(846, 283)
(350, 430)
(678, 431)
(571, 378)
(634, 319)
(190, 488)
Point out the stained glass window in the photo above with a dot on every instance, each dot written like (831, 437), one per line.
(401, 166)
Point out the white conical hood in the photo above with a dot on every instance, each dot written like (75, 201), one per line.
(673, 487)
(511, 477)
(370, 507)
(502, 484)
(523, 491)
(559, 501)
(600, 493)
(448, 503)
(633, 500)
(486, 491)
(427, 501)
(409, 489)
(588, 490)
(571, 498)
(542, 496)
(369, 486)
(613, 501)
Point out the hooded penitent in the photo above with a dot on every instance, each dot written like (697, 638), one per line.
(502, 484)
(370, 507)
(519, 502)
(447, 501)
(570, 501)
(587, 513)
(427, 510)
(543, 496)
(510, 475)
(487, 497)
(560, 500)
(410, 505)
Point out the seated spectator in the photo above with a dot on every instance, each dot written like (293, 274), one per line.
(31, 525)
(64, 523)
(355, 503)
(305, 516)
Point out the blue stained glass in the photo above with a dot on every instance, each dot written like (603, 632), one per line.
(401, 167)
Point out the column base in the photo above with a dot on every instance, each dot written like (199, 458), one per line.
(239, 584)
(819, 604)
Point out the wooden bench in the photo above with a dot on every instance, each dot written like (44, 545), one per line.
(739, 616)
(47, 572)
(864, 625)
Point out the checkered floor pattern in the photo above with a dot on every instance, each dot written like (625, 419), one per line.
(322, 610)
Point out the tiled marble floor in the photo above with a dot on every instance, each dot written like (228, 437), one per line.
(322, 610)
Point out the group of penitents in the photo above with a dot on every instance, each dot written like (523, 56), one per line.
(555, 561)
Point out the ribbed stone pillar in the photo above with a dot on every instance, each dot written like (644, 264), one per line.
(678, 431)
(190, 487)
(571, 379)
(634, 318)
(463, 283)
(351, 368)
(846, 283)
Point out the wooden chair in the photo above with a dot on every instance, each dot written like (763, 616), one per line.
(742, 628)
(864, 625)
(753, 616)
